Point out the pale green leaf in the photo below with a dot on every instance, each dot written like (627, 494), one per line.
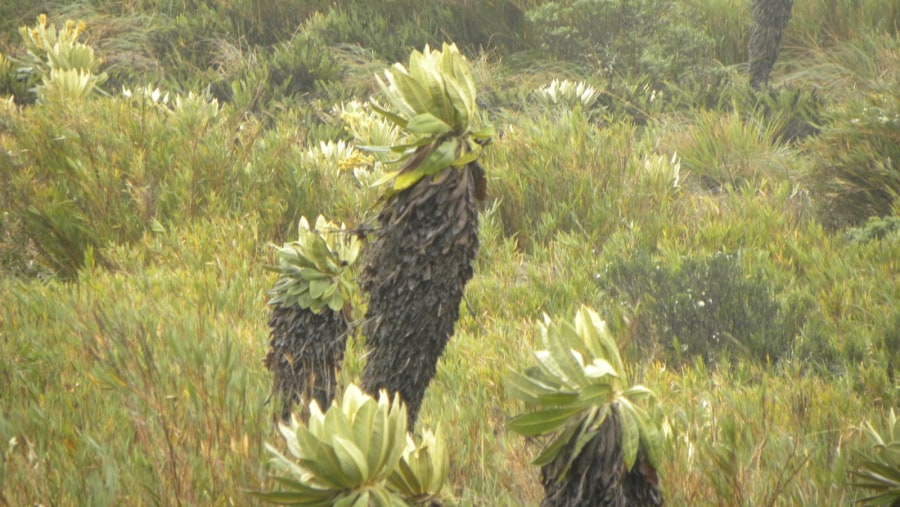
(353, 462)
(413, 92)
(317, 287)
(462, 105)
(599, 368)
(405, 480)
(652, 440)
(468, 158)
(531, 390)
(598, 338)
(395, 422)
(396, 119)
(427, 123)
(595, 394)
(385, 178)
(543, 421)
(440, 158)
(637, 392)
(552, 450)
(408, 178)
(484, 134)
(630, 433)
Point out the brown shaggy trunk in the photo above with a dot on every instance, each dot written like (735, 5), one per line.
(305, 355)
(597, 477)
(770, 18)
(415, 273)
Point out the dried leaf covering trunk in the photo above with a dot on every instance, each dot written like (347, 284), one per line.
(415, 273)
(305, 354)
(770, 18)
(597, 477)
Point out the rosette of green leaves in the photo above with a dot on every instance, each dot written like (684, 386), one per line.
(358, 453)
(315, 270)
(879, 470)
(578, 382)
(421, 476)
(433, 101)
(344, 456)
(57, 51)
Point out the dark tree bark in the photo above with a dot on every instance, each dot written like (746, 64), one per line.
(597, 477)
(305, 355)
(641, 484)
(770, 18)
(415, 273)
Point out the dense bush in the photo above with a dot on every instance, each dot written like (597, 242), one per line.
(171, 159)
(874, 229)
(703, 307)
(856, 174)
(392, 29)
(650, 37)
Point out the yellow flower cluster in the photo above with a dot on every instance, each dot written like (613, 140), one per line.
(44, 36)
(356, 160)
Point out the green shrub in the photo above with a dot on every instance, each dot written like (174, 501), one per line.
(566, 175)
(651, 37)
(15, 83)
(92, 185)
(753, 443)
(299, 64)
(855, 174)
(727, 150)
(727, 23)
(816, 349)
(258, 22)
(293, 72)
(703, 307)
(830, 21)
(874, 229)
(392, 29)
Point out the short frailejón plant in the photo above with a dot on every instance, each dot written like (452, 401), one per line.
(66, 68)
(605, 447)
(427, 235)
(311, 310)
(358, 453)
(568, 93)
(879, 471)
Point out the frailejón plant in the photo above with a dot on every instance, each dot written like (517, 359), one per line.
(358, 453)
(578, 393)
(433, 101)
(313, 271)
(879, 470)
(311, 309)
(568, 93)
(66, 68)
(426, 238)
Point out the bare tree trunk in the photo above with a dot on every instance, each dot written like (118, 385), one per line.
(770, 18)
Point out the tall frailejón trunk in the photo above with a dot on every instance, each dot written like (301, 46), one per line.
(770, 19)
(305, 354)
(597, 476)
(415, 272)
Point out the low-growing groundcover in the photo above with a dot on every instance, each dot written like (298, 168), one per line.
(136, 221)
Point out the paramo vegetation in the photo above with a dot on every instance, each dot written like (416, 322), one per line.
(602, 243)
